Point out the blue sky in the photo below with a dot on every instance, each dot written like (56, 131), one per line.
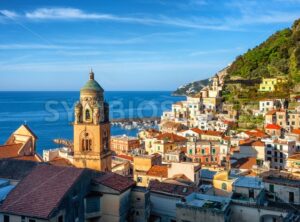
(132, 44)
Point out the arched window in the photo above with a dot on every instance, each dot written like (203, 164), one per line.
(87, 115)
(224, 186)
(86, 143)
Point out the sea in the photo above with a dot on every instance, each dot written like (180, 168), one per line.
(50, 114)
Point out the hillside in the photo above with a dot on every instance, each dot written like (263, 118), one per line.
(191, 88)
(278, 56)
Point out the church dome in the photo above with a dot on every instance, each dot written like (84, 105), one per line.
(92, 84)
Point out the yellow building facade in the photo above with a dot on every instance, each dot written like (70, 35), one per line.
(92, 128)
(269, 84)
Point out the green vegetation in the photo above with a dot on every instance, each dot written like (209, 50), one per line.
(279, 55)
(250, 121)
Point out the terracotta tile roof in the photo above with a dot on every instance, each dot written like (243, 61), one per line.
(171, 137)
(256, 133)
(273, 126)
(227, 138)
(115, 181)
(13, 169)
(35, 158)
(295, 156)
(246, 142)
(151, 130)
(170, 189)
(296, 131)
(197, 130)
(10, 151)
(244, 163)
(258, 143)
(250, 142)
(59, 161)
(271, 112)
(158, 171)
(41, 192)
(170, 124)
(130, 158)
(212, 133)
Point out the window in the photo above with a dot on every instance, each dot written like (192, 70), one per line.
(6, 218)
(139, 179)
(291, 197)
(31, 220)
(87, 115)
(23, 219)
(86, 144)
(271, 188)
(60, 219)
(224, 186)
(203, 151)
(92, 204)
(251, 193)
(213, 151)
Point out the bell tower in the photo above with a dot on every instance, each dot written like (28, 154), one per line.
(92, 128)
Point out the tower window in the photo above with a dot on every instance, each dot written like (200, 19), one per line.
(86, 144)
(87, 115)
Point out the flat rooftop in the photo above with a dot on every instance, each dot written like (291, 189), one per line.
(281, 178)
(203, 201)
(249, 182)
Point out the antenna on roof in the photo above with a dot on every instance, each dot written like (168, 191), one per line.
(25, 122)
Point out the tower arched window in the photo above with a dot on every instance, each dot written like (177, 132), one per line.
(87, 115)
(86, 143)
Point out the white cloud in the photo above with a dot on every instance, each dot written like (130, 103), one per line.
(77, 14)
(247, 13)
(8, 13)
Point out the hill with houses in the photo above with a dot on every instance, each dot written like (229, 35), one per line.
(277, 57)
